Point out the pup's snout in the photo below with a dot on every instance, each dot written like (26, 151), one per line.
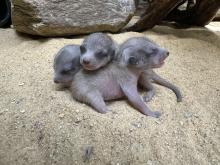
(165, 54)
(86, 62)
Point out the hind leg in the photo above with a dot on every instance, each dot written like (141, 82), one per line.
(161, 81)
(95, 99)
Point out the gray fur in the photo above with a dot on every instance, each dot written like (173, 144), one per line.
(66, 64)
(96, 51)
(119, 78)
(148, 77)
(137, 47)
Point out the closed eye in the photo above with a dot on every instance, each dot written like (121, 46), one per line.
(101, 54)
(151, 52)
(154, 51)
(144, 53)
(64, 72)
(69, 71)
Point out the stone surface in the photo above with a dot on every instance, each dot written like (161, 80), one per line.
(70, 17)
(217, 17)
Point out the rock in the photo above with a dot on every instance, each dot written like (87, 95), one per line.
(181, 123)
(157, 121)
(70, 17)
(91, 125)
(61, 115)
(22, 111)
(137, 124)
(217, 16)
(78, 120)
(21, 84)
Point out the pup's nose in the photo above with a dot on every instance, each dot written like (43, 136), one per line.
(167, 54)
(86, 61)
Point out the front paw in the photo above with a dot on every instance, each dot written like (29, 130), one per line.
(155, 114)
(103, 111)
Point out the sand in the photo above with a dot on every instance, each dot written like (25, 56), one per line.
(42, 124)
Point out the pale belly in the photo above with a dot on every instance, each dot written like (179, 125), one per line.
(111, 90)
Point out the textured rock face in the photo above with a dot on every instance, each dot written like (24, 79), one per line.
(70, 17)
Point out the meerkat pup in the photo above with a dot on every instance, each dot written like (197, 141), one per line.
(97, 50)
(149, 76)
(66, 64)
(119, 78)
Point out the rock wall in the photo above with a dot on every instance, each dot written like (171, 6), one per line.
(70, 17)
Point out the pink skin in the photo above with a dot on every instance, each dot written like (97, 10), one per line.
(90, 67)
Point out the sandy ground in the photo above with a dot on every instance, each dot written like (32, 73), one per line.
(40, 124)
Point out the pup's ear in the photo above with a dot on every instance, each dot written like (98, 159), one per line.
(82, 49)
(114, 49)
(132, 61)
(67, 67)
(112, 54)
(126, 57)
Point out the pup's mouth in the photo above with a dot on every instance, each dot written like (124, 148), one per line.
(89, 67)
(160, 64)
(62, 82)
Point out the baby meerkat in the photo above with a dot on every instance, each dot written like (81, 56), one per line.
(97, 50)
(66, 64)
(149, 76)
(119, 78)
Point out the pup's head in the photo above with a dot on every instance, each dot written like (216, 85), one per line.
(66, 64)
(96, 51)
(142, 53)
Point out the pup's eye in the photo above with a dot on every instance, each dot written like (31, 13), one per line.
(82, 49)
(66, 68)
(154, 51)
(132, 61)
(64, 72)
(101, 54)
(113, 53)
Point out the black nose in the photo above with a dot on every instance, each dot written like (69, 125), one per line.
(167, 54)
(86, 61)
